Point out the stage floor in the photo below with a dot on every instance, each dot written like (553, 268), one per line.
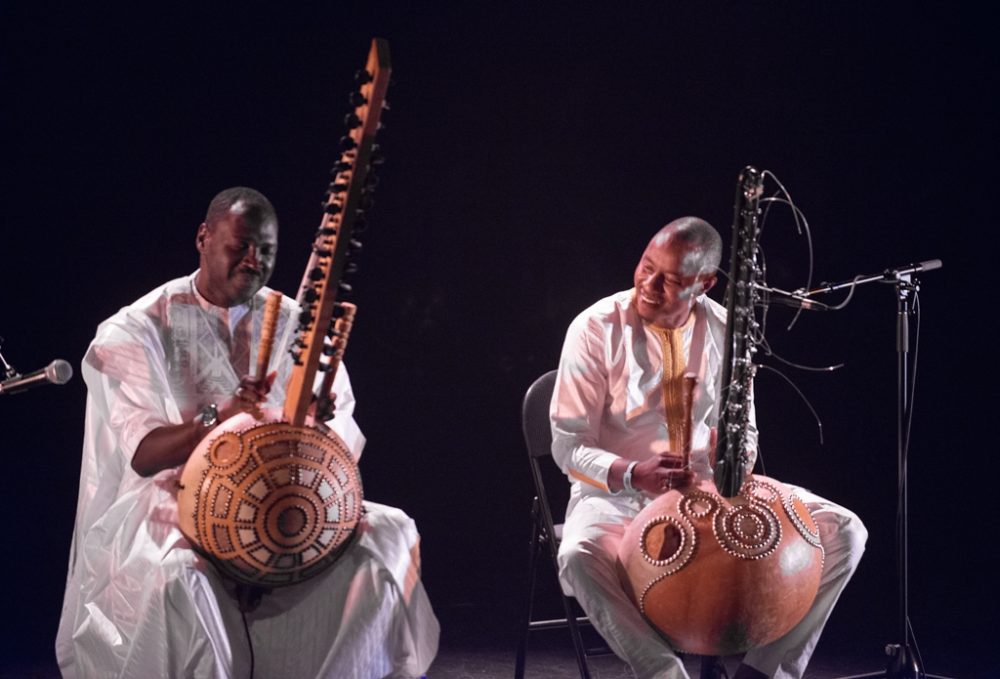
(550, 656)
(479, 643)
(469, 649)
(553, 659)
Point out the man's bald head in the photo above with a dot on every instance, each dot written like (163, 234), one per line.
(698, 239)
(677, 266)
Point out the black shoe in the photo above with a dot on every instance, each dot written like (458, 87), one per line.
(712, 668)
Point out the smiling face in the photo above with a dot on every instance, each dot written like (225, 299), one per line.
(237, 253)
(671, 274)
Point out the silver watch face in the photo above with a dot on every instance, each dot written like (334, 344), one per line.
(209, 415)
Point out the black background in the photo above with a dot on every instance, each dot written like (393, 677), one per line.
(530, 154)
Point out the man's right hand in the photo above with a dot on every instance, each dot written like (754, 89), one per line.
(662, 472)
(171, 445)
(247, 397)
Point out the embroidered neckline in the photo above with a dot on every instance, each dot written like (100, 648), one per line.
(213, 314)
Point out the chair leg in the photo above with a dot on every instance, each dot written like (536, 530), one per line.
(538, 544)
(712, 667)
(533, 550)
(574, 630)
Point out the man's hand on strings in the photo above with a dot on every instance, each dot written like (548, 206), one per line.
(662, 472)
(322, 410)
(248, 396)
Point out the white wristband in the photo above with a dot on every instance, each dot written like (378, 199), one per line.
(627, 477)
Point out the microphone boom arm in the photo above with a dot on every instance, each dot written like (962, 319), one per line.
(887, 276)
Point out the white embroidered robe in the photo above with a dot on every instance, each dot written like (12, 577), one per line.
(139, 601)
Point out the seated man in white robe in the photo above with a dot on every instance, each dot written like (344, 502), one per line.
(140, 602)
(617, 414)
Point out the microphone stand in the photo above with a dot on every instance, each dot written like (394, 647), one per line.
(904, 661)
(9, 371)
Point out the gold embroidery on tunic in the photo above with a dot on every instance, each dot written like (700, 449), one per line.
(674, 365)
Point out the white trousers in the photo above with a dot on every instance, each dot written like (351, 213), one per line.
(168, 614)
(587, 557)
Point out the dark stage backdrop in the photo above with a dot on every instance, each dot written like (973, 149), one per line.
(530, 154)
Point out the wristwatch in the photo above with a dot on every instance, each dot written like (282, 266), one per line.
(209, 416)
(627, 476)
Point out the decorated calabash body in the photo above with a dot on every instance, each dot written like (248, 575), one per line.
(269, 503)
(718, 576)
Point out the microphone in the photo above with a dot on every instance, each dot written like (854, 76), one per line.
(797, 302)
(56, 372)
(899, 272)
(792, 299)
